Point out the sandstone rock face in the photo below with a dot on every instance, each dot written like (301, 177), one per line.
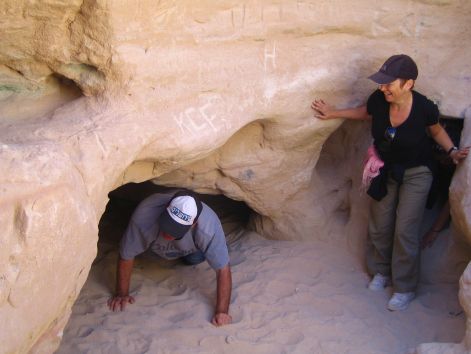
(209, 95)
(48, 237)
(460, 187)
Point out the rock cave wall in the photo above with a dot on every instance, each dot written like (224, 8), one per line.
(211, 96)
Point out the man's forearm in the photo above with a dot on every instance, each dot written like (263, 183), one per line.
(123, 277)
(224, 288)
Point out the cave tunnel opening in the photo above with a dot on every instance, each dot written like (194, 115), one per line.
(234, 215)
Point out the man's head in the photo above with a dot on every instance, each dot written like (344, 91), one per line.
(180, 215)
(399, 66)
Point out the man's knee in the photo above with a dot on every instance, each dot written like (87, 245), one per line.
(194, 258)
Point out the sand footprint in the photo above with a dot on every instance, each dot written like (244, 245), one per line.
(212, 341)
(240, 278)
(181, 317)
(159, 296)
(177, 290)
(179, 311)
(237, 314)
(84, 331)
(83, 309)
(285, 337)
(327, 307)
(276, 291)
(252, 335)
(133, 343)
(236, 259)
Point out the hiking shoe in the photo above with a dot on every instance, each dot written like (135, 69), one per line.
(379, 282)
(400, 301)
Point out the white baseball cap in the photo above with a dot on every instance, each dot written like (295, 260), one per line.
(181, 213)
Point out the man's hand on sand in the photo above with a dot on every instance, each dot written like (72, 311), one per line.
(221, 319)
(118, 303)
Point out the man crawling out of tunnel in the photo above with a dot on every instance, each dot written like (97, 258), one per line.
(173, 226)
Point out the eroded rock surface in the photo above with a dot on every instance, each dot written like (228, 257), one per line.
(212, 96)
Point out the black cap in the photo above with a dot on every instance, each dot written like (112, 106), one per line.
(399, 66)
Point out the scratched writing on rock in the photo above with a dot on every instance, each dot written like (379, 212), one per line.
(201, 119)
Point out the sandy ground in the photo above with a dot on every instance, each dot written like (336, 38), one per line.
(288, 297)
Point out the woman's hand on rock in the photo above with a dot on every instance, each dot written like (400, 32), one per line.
(458, 155)
(322, 110)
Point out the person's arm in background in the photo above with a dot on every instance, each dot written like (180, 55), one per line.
(123, 279)
(441, 137)
(432, 234)
(325, 111)
(224, 289)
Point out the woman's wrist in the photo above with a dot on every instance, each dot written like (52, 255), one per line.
(450, 150)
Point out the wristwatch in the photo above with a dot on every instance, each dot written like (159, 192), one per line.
(451, 150)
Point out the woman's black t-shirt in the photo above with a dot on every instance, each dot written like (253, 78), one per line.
(408, 145)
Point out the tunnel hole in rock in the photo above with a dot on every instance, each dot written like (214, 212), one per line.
(338, 171)
(67, 87)
(234, 215)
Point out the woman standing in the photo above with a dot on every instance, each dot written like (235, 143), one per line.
(402, 120)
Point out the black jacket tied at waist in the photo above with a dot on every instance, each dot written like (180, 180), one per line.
(379, 185)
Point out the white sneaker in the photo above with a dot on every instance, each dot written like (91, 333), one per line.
(400, 301)
(379, 282)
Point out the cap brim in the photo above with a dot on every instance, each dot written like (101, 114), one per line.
(171, 227)
(381, 78)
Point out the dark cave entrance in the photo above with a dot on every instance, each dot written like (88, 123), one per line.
(234, 215)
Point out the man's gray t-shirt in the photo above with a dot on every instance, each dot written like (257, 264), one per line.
(142, 234)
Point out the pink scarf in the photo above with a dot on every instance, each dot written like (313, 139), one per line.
(373, 164)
